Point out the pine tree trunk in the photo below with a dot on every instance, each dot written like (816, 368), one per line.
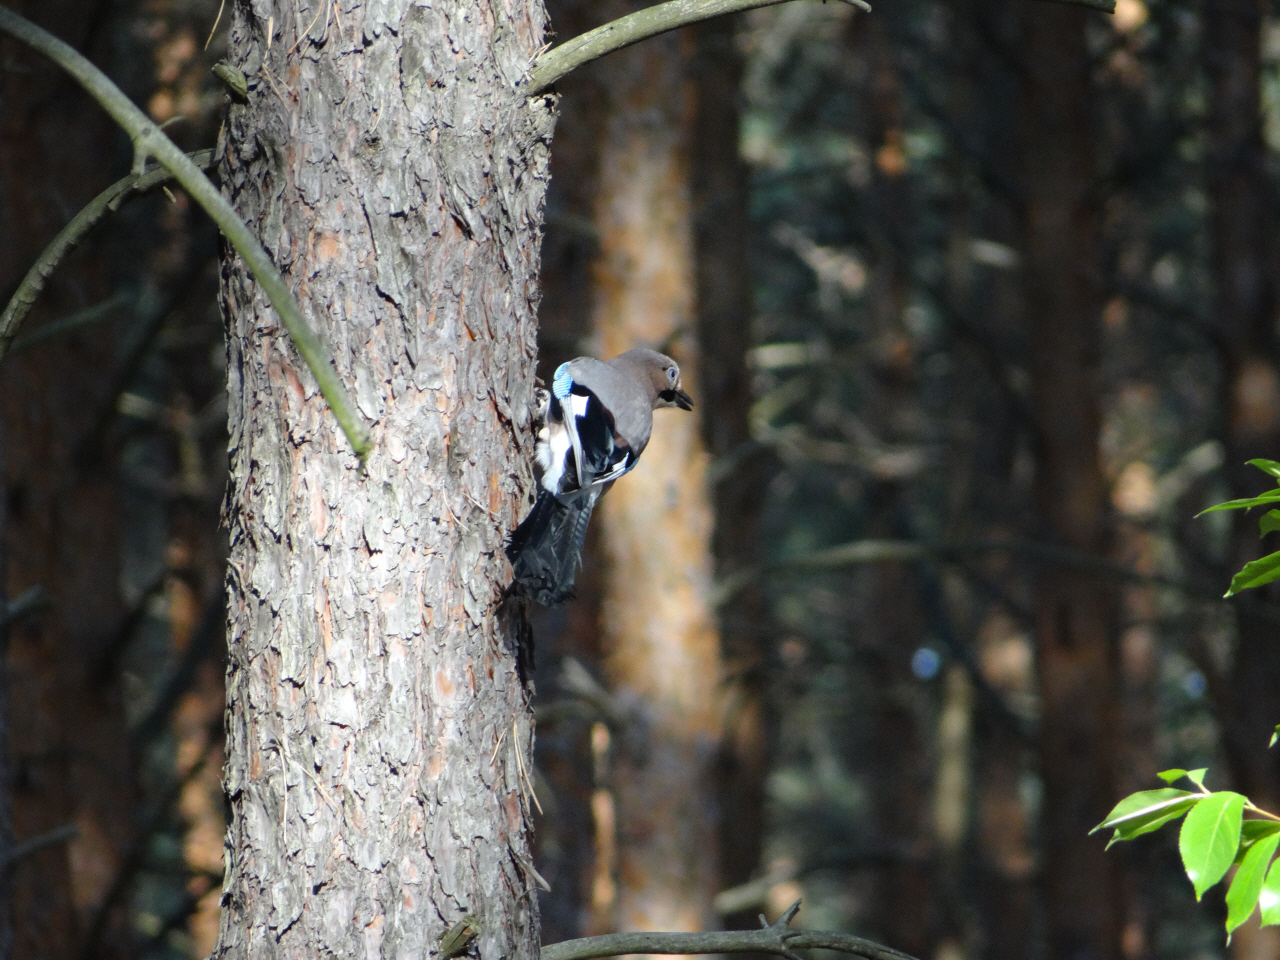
(1075, 614)
(722, 259)
(379, 732)
(660, 642)
(69, 760)
(1241, 225)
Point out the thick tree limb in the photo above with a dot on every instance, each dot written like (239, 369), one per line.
(107, 202)
(776, 938)
(149, 140)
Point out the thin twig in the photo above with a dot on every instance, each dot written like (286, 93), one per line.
(641, 25)
(776, 939)
(896, 551)
(149, 140)
(1106, 6)
(50, 838)
(103, 310)
(69, 237)
(30, 601)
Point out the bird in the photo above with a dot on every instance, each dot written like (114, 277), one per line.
(593, 425)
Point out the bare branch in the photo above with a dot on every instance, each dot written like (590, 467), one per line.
(891, 551)
(560, 61)
(1106, 6)
(149, 140)
(67, 831)
(641, 25)
(107, 202)
(23, 605)
(776, 939)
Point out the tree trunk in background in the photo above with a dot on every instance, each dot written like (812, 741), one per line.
(722, 252)
(659, 635)
(1075, 614)
(1242, 224)
(69, 761)
(1241, 227)
(569, 837)
(379, 734)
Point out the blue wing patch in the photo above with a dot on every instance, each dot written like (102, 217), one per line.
(562, 382)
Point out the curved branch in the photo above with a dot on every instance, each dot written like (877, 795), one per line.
(776, 939)
(97, 209)
(641, 25)
(560, 61)
(149, 140)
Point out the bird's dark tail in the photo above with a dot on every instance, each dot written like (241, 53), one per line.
(545, 548)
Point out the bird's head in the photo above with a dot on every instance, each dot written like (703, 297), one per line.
(672, 393)
(662, 373)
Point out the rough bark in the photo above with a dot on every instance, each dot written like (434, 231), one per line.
(379, 734)
(1075, 616)
(660, 642)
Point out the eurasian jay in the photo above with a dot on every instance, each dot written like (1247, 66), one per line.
(595, 423)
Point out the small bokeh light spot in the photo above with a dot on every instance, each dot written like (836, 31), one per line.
(925, 663)
(1193, 684)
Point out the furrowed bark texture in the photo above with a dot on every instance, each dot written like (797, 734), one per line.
(1075, 615)
(660, 642)
(379, 733)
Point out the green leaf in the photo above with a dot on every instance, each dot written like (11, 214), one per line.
(1269, 898)
(1142, 804)
(1146, 811)
(1209, 838)
(1275, 736)
(1245, 888)
(1251, 831)
(1271, 496)
(1269, 522)
(1172, 776)
(1256, 574)
(1197, 776)
(1267, 466)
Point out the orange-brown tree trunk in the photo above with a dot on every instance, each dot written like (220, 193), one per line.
(660, 641)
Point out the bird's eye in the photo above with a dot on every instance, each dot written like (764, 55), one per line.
(672, 374)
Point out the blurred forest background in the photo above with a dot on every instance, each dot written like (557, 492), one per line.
(977, 299)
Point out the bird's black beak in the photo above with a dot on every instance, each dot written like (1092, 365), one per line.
(679, 398)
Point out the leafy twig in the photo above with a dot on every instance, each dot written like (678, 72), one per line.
(149, 140)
